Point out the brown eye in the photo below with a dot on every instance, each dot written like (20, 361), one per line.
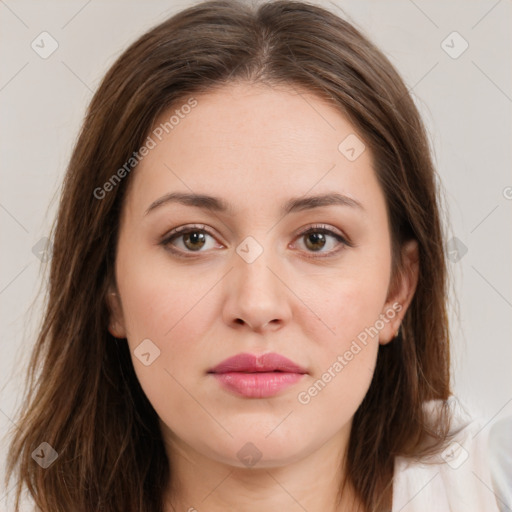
(315, 241)
(194, 240)
(189, 239)
(316, 238)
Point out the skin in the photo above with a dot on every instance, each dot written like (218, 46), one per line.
(256, 146)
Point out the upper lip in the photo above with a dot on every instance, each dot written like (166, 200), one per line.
(251, 363)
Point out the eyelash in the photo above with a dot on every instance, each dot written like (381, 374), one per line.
(318, 228)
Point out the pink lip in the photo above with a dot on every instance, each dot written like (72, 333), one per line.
(257, 376)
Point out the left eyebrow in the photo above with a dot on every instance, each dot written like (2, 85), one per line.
(217, 204)
(309, 202)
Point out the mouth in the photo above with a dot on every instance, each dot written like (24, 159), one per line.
(254, 376)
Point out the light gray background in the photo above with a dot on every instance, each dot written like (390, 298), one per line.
(466, 103)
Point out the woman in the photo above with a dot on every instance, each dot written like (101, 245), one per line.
(247, 302)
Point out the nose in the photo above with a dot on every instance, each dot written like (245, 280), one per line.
(257, 297)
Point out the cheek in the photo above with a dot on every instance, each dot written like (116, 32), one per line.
(346, 342)
(344, 361)
(171, 311)
(159, 303)
(174, 316)
(348, 305)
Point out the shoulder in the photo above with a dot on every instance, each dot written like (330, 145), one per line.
(457, 479)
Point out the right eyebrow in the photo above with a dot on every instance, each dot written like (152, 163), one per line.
(203, 201)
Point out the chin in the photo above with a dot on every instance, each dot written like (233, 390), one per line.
(258, 449)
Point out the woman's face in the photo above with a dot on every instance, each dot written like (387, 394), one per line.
(247, 280)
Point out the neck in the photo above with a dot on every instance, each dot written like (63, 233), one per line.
(312, 483)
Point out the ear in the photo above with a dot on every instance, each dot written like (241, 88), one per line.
(401, 293)
(116, 325)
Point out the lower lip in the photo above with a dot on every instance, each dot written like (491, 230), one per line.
(257, 385)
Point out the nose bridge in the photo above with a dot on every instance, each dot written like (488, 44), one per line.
(252, 262)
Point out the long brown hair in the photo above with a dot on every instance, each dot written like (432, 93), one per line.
(82, 395)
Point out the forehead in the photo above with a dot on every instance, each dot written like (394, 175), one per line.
(248, 143)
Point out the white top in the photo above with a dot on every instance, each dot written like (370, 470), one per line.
(471, 475)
